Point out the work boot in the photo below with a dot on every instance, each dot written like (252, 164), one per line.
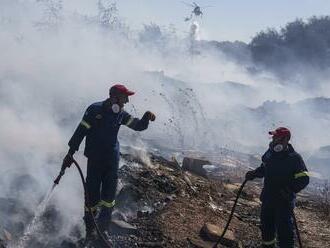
(104, 219)
(91, 233)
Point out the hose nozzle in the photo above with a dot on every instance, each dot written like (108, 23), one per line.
(58, 178)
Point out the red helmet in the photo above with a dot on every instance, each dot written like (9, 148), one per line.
(281, 132)
(119, 88)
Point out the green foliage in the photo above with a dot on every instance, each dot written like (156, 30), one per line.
(298, 42)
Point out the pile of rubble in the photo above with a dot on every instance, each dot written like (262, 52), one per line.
(170, 205)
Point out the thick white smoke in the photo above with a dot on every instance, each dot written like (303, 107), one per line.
(55, 62)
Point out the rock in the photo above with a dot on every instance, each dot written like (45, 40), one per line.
(122, 227)
(195, 166)
(231, 187)
(212, 233)
(7, 235)
(200, 243)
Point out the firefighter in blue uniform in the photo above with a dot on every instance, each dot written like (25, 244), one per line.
(100, 125)
(285, 174)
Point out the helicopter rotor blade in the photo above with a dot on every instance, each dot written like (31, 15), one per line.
(188, 4)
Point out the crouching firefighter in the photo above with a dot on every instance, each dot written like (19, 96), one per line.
(285, 174)
(100, 124)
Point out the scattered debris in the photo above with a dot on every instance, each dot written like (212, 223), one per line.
(195, 166)
(164, 206)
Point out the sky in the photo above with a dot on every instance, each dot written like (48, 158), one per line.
(226, 20)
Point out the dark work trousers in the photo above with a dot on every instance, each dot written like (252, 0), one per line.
(101, 180)
(277, 222)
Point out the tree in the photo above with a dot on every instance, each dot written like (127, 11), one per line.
(266, 47)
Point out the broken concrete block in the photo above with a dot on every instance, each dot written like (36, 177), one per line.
(195, 166)
(213, 233)
(7, 235)
(200, 243)
(231, 187)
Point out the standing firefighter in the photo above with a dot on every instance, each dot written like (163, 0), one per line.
(284, 174)
(100, 124)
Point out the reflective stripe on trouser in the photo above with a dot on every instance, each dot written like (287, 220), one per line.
(99, 205)
(276, 218)
(101, 182)
(269, 243)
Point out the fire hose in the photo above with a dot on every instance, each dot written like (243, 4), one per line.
(232, 213)
(108, 244)
(57, 180)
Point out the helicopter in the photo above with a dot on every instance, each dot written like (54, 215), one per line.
(197, 10)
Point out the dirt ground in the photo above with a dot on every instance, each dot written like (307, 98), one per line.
(168, 208)
(183, 203)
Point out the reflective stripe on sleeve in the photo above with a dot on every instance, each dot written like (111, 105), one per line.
(129, 122)
(85, 124)
(301, 174)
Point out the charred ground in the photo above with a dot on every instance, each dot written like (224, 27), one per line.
(160, 205)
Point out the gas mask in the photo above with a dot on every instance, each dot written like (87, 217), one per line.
(115, 108)
(278, 148)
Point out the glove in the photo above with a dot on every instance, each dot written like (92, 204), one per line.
(250, 175)
(67, 161)
(150, 116)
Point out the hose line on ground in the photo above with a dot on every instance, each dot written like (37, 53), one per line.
(108, 244)
(232, 213)
(99, 233)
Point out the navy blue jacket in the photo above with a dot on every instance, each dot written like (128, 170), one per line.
(284, 173)
(101, 125)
